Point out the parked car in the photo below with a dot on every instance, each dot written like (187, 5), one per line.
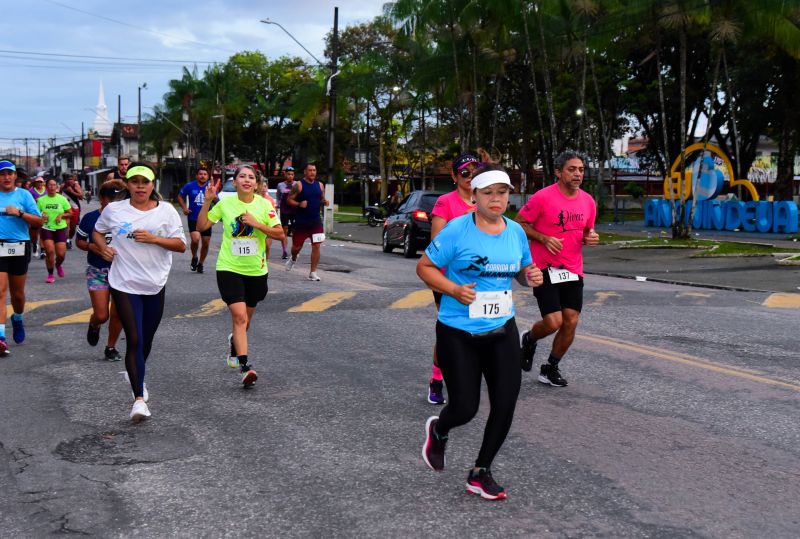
(410, 226)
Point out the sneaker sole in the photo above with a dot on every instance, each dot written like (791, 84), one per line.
(427, 441)
(250, 378)
(138, 418)
(472, 489)
(431, 401)
(545, 381)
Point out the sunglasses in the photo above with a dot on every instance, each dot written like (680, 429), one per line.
(465, 173)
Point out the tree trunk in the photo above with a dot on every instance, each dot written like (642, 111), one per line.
(546, 154)
(548, 91)
(680, 230)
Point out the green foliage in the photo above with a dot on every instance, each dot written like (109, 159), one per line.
(634, 190)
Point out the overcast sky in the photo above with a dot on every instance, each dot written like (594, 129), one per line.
(45, 95)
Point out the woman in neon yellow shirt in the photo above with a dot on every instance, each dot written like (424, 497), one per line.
(242, 271)
(56, 209)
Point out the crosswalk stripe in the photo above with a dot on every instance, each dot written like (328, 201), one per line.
(783, 301)
(414, 300)
(322, 302)
(77, 318)
(31, 305)
(209, 309)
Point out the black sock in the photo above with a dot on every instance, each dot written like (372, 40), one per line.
(243, 360)
(553, 360)
(49, 271)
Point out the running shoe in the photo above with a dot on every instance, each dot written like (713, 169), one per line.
(69, 244)
(527, 347)
(285, 255)
(199, 268)
(436, 392)
(483, 484)
(249, 376)
(42, 254)
(313, 276)
(433, 449)
(289, 264)
(60, 271)
(50, 279)
(112, 354)
(193, 265)
(139, 412)
(19, 330)
(93, 335)
(4, 348)
(233, 358)
(550, 375)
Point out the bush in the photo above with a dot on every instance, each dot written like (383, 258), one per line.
(634, 190)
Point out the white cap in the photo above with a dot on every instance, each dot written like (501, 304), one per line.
(490, 177)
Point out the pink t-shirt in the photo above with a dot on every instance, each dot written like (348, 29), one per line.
(450, 206)
(551, 213)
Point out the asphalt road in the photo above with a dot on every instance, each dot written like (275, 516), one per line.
(680, 418)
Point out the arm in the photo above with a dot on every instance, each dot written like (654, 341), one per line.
(99, 242)
(182, 202)
(31, 218)
(437, 224)
(436, 281)
(325, 202)
(552, 244)
(203, 222)
(590, 237)
(176, 245)
(292, 200)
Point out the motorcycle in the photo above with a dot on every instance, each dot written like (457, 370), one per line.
(376, 213)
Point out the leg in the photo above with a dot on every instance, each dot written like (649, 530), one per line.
(114, 326)
(566, 333)
(60, 253)
(285, 240)
(239, 322)
(17, 285)
(153, 310)
(297, 244)
(50, 255)
(315, 253)
(3, 293)
(195, 237)
(100, 312)
(129, 307)
(548, 325)
(459, 361)
(206, 241)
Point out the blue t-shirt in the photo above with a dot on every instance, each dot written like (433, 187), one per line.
(85, 229)
(12, 227)
(194, 195)
(473, 256)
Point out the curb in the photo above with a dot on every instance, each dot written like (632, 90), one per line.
(683, 283)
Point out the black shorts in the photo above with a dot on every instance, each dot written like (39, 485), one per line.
(287, 219)
(236, 288)
(557, 297)
(193, 228)
(437, 298)
(16, 265)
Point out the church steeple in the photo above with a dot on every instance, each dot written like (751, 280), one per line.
(102, 125)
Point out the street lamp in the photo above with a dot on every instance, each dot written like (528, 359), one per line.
(139, 122)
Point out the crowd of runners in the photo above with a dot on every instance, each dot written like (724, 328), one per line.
(474, 255)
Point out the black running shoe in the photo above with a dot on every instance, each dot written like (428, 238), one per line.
(93, 335)
(193, 265)
(527, 347)
(199, 268)
(433, 449)
(112, 354)
(483, 484)
(436, 392)
(549, 375)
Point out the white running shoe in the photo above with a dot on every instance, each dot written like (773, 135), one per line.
(289, 264)
(233, 361)
(139, 412)
(313, 276)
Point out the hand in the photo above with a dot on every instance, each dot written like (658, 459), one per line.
(326, 201)
(211, 191)
(591, 237)
(248, 219)
(186, 211)
(303, 204)
(534, 276)
(58, 218)
(10, 210)
(143, 236)
(106, 253)
(553, 244)
(465, 293)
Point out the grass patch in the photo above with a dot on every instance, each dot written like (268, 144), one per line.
(351, 209)
(711, 247)
(339, 218)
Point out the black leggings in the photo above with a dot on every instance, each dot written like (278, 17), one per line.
(140, 316)
(463, 359)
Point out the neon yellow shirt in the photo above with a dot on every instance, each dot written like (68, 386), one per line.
(237, 238)
(53, 206)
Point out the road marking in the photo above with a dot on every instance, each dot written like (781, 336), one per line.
(783, 301)
(77, 318)
(209, 309)
(693, 295)
(415, 300)
(32, 305)
(322, 303)
(338, 278)
(601, 297)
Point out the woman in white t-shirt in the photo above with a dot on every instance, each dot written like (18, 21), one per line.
(145, 232)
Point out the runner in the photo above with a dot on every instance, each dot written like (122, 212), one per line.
(54, 232)
(558, 220)
(448, 207)
(97, 275)
(123, 162)
(146, 231)
(195, 192)
(18, 211)
(306, 198)
(286, 211)
(476, 334)
(74, 193)
(242, 270)
(37, 190)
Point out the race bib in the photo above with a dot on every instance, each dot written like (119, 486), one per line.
(318, 238)
(558, 276)
(12, 249)
(244, 247)
(491, 305)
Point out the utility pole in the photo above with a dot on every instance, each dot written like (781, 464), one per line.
(83, 151)
(332, 93)
(119, 125)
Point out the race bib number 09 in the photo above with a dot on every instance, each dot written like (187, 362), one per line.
(244, 247)
(491, 305)
(12, 249)
(558, 276)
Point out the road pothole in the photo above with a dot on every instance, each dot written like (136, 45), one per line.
(124, 448)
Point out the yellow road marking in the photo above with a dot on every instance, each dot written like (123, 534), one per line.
(31, 305)
(209, 309)
(601, 297)
(77, 318)
(322, 303)
(783, 301)
(420, 298)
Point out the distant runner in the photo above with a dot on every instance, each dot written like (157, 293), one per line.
(191, 198)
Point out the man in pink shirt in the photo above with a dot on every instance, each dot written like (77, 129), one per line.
(454, 204)
(559, 221)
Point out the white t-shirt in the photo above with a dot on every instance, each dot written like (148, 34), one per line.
(139, 268)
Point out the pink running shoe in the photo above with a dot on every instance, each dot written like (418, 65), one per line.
(60, 271)
(50, 279)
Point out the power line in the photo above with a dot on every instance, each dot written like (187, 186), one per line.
(36, 53)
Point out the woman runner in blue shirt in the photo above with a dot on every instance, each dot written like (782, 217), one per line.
(476, 335)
